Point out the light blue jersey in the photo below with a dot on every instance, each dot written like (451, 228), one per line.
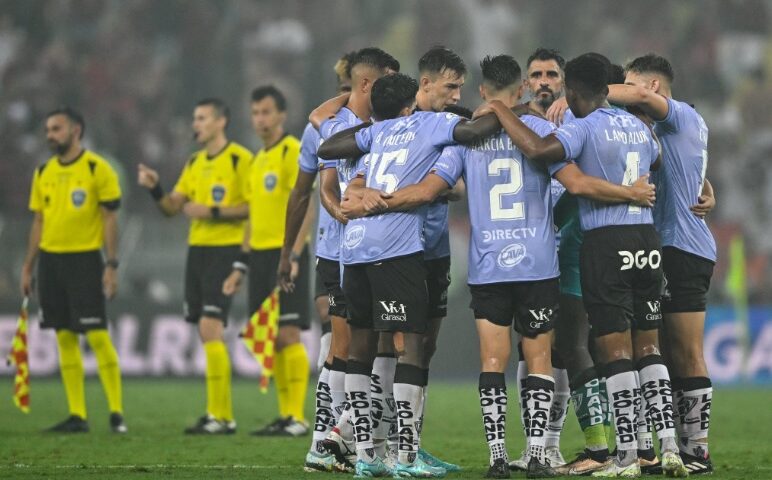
(309, 163)
(616, 146)
(329, 238)
(436, 233)
(510, 208)
(401, 152)
(684, 138)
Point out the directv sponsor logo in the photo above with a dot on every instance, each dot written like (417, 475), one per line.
(354, 236)
(508, 234)
(78, 197)
(511, 255)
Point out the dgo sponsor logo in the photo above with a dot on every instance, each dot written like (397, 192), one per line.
(640, 259)
(511, 255)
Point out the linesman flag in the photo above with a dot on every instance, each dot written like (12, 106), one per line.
(18, 356)
(259, 335)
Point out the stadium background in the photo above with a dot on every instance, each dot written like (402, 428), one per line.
(135, 68)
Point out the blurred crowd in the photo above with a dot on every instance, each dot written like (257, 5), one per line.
(136, 67)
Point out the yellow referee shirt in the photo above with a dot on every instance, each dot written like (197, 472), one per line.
(216, 181)
(272, 175)
(69, 197)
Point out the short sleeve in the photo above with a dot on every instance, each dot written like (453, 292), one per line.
(364, 138)
(654, 148)
(362, 166)
(183, 183)
(243, 172)
(572, 136)
(331, 126)
(442, 126)
(35, 203)
(674, 119)
(291, 167)
(450, 165)
(108, 187)
(539, 126)
(309, 144)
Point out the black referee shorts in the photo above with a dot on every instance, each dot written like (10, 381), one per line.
(70, 291)
(621, 271)
(206, 269)
(294, 307)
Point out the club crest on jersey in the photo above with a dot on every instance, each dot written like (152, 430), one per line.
(354, 236)
(218, 193)
(78, 197)
(269, 181)
(511, 255)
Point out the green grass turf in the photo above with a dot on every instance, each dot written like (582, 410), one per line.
(158, 410)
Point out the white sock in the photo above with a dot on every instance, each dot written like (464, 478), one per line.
(382, 396)
(559, 407)
(538, 399)
(358, 393)
(324, 419)
(338, 387)
(694, 402)
(643, 428)
(408, 395)
(624, 402)
(658, 399)
(493, 402)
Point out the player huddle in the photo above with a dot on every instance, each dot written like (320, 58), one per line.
(568, 245)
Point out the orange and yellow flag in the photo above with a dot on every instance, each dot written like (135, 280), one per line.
(259, 335)
(18, 356)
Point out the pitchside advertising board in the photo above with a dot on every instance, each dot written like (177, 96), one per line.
(163, 344)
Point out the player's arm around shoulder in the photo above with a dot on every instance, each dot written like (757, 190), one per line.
(577, 183)
(652, 103)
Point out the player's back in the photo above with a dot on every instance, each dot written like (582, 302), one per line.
(684, 138)
(510, 209)
(401, 152)
(616, 146)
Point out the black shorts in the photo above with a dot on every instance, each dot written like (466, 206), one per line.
(329, 272)
(319, 289)
(532, 306)
(293, 307)
(70, 291)
(621, 270)
(388, 296)
(687, 280)
(437, 283)
(205, 271)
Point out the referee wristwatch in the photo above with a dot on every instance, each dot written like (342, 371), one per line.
(112, 263)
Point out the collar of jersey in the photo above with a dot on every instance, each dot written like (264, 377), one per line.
(218, 153)
(65, 165)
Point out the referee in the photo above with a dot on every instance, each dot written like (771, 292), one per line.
(272, 174)
(75, 197)
(209, 191)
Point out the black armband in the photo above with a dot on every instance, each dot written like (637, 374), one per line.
(157, 192)
(111, 205)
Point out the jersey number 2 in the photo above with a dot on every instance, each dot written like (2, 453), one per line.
(517, 210)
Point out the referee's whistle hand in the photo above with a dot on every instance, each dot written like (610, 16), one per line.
(146, 176)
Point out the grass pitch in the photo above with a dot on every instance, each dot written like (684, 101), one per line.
(158, 410)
